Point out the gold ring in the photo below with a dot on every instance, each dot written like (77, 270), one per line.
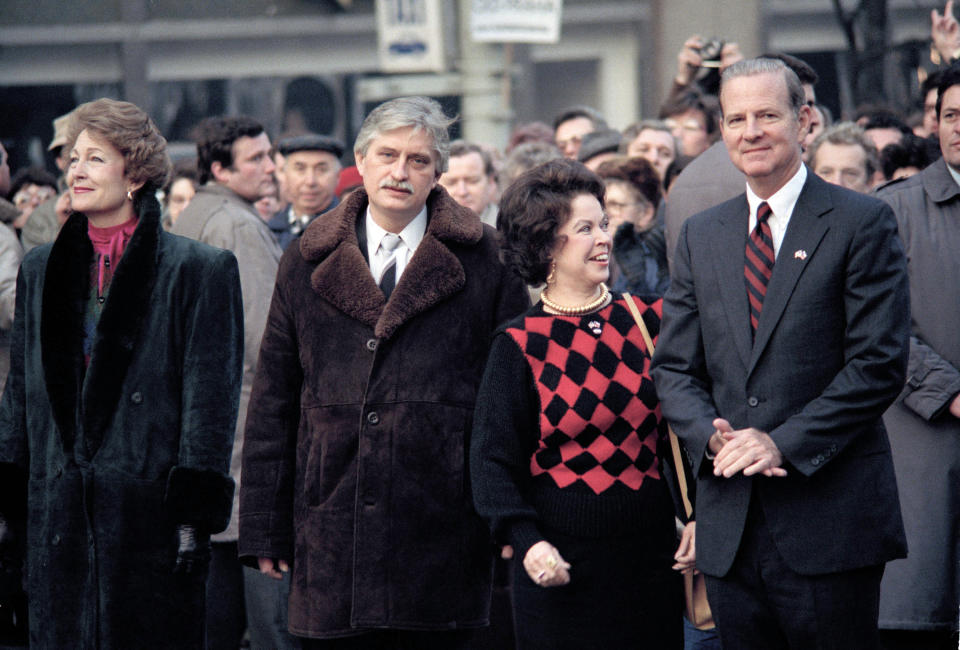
(552, 562)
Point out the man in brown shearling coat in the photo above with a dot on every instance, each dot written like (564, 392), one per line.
(354, 458)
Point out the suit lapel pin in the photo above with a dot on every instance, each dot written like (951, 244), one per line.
(800, 255)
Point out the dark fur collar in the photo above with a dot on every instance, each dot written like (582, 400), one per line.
(65, 293)
(343, 277)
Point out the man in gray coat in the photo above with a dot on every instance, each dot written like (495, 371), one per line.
(920, 595)
(235, 170)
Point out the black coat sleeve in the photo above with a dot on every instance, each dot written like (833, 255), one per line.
(505, 435)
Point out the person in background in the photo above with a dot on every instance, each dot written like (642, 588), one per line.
(911, 155)
(631, 194)
(310, 171)
(845, 156)
(882, 125)
(472, 180)
(117, 418)
(524, 157)
(30, 187)
(563, 456)
(598, 147)
(920, 595)
(46, 219)
(572, 124)
(653, 140)
(179, 190)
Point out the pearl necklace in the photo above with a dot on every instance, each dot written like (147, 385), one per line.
(579, 310)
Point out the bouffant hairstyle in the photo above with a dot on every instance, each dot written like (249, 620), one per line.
(216, 138)
(130, 131)
(534, 208)
(637, 172)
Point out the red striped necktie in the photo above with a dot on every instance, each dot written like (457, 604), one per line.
(758, 266)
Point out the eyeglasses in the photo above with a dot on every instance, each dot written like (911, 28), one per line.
(616, 206)
(687, 125)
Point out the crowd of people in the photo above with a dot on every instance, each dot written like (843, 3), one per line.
(428, 400)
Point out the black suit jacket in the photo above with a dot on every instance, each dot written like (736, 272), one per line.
(828, 357)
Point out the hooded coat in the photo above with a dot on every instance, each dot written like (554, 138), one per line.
(355, 448)
(105, 460)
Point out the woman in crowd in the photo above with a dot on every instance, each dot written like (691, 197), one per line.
(30, 187)
(639, 248)
(120, 403)
(564, 455)
(179, 190)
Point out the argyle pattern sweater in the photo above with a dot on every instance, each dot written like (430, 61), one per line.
(568, 426)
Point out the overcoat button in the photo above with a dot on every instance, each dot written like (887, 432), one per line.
(59, 472)
(137, 398)
(55, 540)
(815, 462)
(372, 345)
(373, 417)
(752, 401)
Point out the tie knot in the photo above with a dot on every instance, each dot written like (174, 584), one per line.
(763, 212)
(390, 242)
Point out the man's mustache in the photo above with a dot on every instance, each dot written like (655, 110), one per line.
(396, 185)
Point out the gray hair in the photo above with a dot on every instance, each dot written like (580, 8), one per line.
(847, 133)
(418, 112)
(634, 130)
(524, 157)
(751, 67)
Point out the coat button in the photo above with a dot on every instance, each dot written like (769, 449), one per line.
(752, 401)
(58, 472)
(373, 417)
(137, 398)
(55, 540)
(815, 461)
(372, 345)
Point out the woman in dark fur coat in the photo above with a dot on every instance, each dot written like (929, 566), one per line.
(117, 420)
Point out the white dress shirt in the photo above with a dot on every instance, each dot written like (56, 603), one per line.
(781, 205)
(410, 237)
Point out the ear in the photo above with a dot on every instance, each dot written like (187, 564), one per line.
(805, 119)
(220, 173)
(134, 188)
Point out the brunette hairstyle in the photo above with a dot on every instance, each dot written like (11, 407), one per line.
(534, 208)
(636, 172)
(215, 142)
(130, 131)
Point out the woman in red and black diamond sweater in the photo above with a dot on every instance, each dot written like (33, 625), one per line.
(564, 459)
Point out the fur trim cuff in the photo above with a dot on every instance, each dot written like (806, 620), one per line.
(203, 498)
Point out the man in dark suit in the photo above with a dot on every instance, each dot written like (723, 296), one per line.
(784, 338)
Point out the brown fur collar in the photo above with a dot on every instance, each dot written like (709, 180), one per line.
(65, 291)
(342, 275)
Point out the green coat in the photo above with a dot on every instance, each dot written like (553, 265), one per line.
(105, 460)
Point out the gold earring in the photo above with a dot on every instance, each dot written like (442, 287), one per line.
(129, 195)
(551, 276)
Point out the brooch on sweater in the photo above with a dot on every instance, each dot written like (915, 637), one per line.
(594, 327)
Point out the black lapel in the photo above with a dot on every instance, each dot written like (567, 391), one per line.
(121, 322)
(65, 289)
(730, 242)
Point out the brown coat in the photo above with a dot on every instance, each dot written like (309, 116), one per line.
(354, 458)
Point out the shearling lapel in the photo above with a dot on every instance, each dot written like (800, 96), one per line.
(730, 238)
(434, 273)
(798, 249)
(65, 286)
(121, 322)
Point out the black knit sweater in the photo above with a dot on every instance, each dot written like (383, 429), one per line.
(568, 426)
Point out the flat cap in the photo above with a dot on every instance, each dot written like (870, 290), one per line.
(598, 142)
(61, 130)
(310, 142)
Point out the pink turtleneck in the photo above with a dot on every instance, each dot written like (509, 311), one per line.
(108, 245)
